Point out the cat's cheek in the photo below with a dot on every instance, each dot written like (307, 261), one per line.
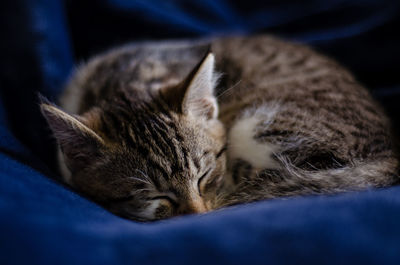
(164, 210)
(221, 169)
(209, 204)
(211, 191)
(149, 212)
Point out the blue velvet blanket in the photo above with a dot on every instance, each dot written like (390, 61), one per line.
(43, 222)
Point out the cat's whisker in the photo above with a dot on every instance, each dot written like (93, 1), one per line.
(312, 166)
(230, 89)
(147, 179)
(140, 180)
(137, 191)
(337, 162)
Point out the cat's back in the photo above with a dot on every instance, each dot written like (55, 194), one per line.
(263, 68)
(293, 94)
(150, 65)
(300, 118)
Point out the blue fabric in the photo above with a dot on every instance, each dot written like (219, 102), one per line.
(43, 222)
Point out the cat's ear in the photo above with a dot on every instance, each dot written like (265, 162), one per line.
(77, 141)
(195, 95)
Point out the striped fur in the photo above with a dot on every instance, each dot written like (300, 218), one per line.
(320, 130)
(142, 154)
(145, 134)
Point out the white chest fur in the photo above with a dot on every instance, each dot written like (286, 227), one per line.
(243, 145)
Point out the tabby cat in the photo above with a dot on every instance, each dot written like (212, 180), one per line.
(153, 130)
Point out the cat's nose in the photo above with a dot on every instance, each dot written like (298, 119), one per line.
(194, 206)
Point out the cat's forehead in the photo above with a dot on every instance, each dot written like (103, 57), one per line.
(161, 136)
(148, 119)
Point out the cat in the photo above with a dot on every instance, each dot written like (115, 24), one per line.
(157, 129)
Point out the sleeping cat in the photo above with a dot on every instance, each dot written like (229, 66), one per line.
(153, 130)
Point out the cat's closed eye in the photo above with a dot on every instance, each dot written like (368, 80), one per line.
(201, 183)
(166, 199)
(221, 152)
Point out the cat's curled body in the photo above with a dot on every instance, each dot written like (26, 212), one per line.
(152, 125)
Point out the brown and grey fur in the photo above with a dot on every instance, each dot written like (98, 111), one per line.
(144, 127)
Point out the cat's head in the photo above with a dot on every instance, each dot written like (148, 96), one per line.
(147, 156)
